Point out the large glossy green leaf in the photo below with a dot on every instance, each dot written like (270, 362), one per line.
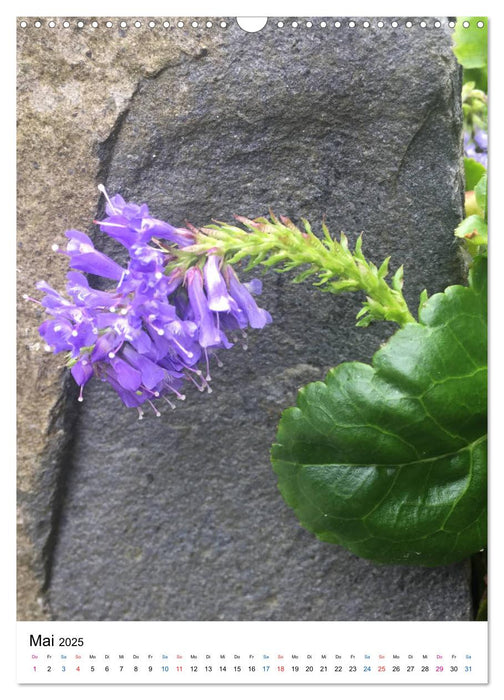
(389, 460)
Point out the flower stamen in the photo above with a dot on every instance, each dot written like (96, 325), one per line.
(105, 193)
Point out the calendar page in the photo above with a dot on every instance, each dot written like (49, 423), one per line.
(252, 349)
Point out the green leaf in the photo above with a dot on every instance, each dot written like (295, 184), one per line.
(471, 42)
(473, 229)
(478, 76)
(474, 171)
(481, 195)
(424, 298)
(398, 279)
(383, 271)
(389, 460)
(471, 50)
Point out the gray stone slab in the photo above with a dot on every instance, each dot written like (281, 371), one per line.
(179, 517)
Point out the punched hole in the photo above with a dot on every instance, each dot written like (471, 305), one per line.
(252, 24)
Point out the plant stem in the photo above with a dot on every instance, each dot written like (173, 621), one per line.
(279, 243)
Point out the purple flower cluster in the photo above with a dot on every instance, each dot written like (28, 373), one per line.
(147, 334)
(476, 146)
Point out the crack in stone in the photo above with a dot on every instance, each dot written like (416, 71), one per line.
(48, 499)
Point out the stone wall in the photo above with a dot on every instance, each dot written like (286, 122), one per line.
(179, 517)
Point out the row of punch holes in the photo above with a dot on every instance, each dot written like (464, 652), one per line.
(123, 24)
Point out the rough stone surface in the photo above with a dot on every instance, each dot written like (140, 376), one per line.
(179, 517)
(73, 86)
